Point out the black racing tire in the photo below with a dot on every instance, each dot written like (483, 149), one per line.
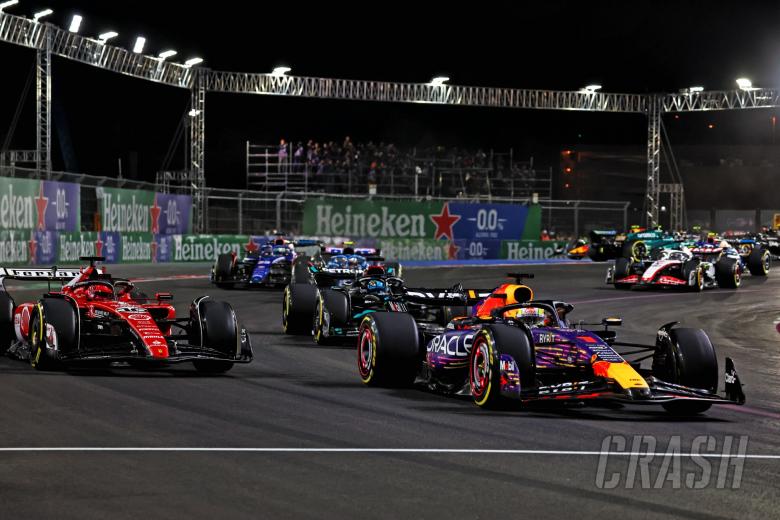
(332, 311)
(63, 317)
(450, 312)
(687, 359)
(692, 266)
(622, 269)
(393, 269)
(298, 307)
(728, 273)
(217, 328)
(388, 352)
(485, 374)
(7, 334)
(758, 261)
(595, 255)
(300, 269)
(223, 270)
(636, 249)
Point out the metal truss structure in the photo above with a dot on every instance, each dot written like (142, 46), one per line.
(50, 40)
(676, 204)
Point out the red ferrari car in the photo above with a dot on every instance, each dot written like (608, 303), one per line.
(96, 318)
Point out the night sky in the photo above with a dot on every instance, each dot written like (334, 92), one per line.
(625, 46)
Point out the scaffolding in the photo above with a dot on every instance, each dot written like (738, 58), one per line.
(50, 40)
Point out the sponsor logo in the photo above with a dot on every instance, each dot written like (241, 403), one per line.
(124, 214)
(139, 317)
(384, 223)
(17, 211)
(454, 345)
(530, 251)
(201, 249)
(130, 309)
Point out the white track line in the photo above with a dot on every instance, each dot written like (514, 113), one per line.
(153, 449)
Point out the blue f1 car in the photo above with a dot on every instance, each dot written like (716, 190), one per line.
(269, 265)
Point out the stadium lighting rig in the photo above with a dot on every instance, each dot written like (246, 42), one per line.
(439, 81)
(744, 84)
(280, 71)
(164, 55)
(138, 48)
(591, 89)
(693, 90)
(107, 36)
(7, 4)
(40, 14)
(193, 61)
(75, 23)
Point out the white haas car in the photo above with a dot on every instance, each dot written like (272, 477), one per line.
(692, 269)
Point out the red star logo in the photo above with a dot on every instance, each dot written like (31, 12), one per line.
(98, 246)
(444, 222)
(33, 245)
(41, 202)
(251, 246)
(155, 212)
(452, 251)
(153, 245)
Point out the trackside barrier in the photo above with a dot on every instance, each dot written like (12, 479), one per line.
(25, 247)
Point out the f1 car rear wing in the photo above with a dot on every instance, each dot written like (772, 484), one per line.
(33, 274)
(447, 296)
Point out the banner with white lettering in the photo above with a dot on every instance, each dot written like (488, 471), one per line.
(39, 205)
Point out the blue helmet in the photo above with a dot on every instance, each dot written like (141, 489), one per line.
(376, 285)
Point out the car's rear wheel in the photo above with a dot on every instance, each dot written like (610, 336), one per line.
(636, 249)
(223, 271)
(332, 311)
(687, 359)
(53, 330)
(298, 307)
(728, 273)
(7, 333)
(622, 270)
(218, 330)
(487, 376)
(758, 261)
(388, 350)
(300, 269)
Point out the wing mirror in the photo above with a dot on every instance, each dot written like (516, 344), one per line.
(612, 322)
(162, 296)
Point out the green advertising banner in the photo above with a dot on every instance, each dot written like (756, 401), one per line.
(72, 246)
(533, 223)
(126, 211)
(18, 208)
(206, 248)
(14, 247)
(370, 219)
(529, 249)
(137, 247)
(403, 249)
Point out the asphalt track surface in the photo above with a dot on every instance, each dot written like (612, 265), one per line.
(298, 395)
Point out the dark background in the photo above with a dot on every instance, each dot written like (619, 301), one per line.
(625, 46)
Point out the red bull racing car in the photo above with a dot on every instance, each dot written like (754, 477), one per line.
(97, 319)
(514, 348)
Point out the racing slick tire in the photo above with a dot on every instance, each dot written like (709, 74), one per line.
(299, 305)
(300, 269)
(7, 333)
(63, 318)
(596, 253)
(690, 269)
(393, 269)
(622, 269)
(223, 270)
(687, 359)
(218, 330)
(727, 273)
(758, 261)
(485, 374)
(332, 311)
(388, 349)
(636, 249)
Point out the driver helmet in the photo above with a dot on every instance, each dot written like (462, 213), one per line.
(100, 291)
(531, 316)
(376, 286)
(339, 262)
(354, 263)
